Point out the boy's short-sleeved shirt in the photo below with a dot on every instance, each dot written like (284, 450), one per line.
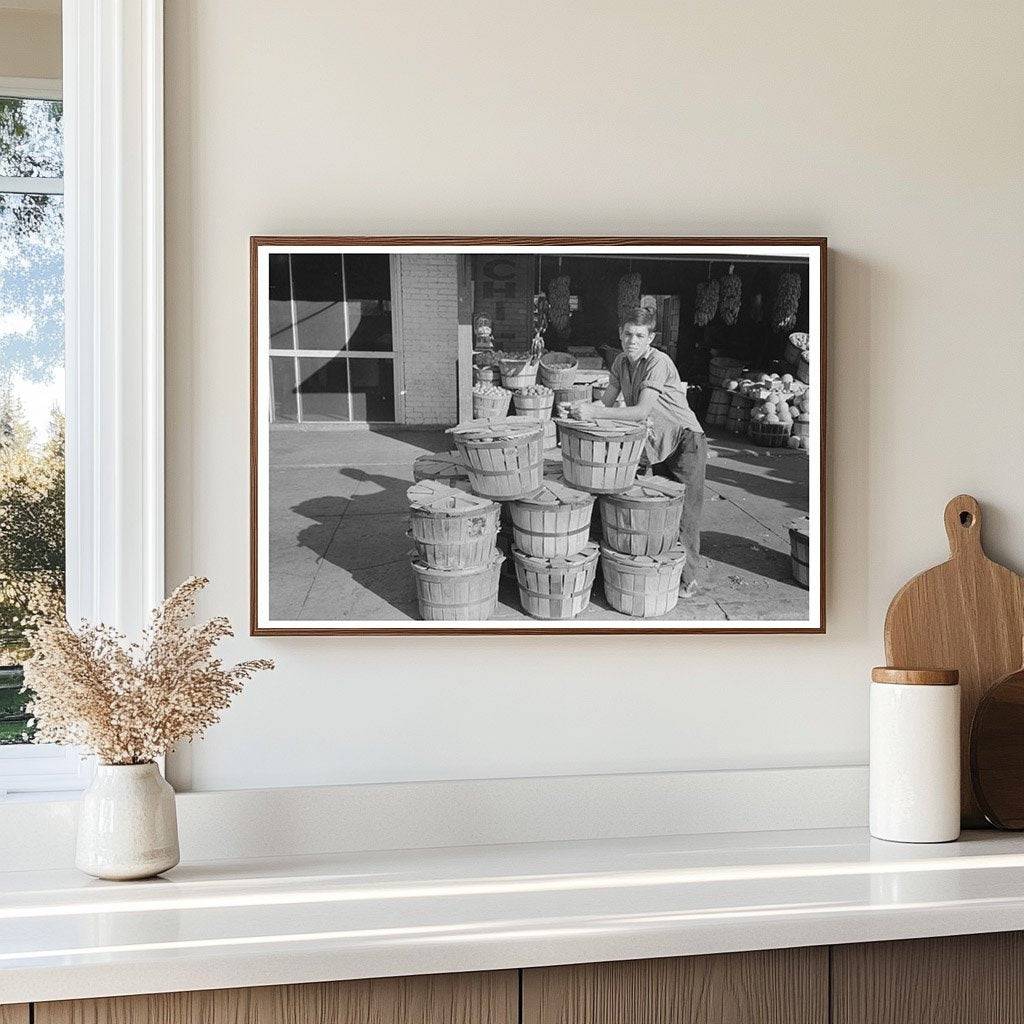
(672, 415)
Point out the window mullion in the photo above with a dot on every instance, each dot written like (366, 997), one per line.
(32, 186)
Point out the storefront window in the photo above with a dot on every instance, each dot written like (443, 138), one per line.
(332, 342)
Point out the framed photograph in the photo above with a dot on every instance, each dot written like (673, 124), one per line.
(537, 435)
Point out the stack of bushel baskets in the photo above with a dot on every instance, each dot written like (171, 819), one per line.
(456, 516)
(641, 560)
(534, 402)
(456, 562)
(496, 504)
(554, 559)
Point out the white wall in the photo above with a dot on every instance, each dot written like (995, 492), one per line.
(30, 39)
(895, 129)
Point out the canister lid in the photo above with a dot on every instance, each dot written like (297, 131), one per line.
(916, 676)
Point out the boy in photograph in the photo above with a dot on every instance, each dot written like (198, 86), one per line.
(650, 384)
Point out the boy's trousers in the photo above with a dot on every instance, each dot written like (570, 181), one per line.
(688, 464)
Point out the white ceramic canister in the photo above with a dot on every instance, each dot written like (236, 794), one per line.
(127, 825)
(915, 755)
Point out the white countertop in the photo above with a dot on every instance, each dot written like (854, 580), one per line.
(261, 922)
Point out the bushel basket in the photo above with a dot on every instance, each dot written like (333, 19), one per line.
(796, 344)
(457, 594)
(448, 467)
(493, 405)
(558, 369)
(533, 406)
(556, 588)
(718, 408)
(769, 435)
(571, 393)
(601, 457)
(800, 551)
(518, 372)
(739, 414)
(504, 457)
(722, 368)
(803, 369)
(642, 586)
(553, 522)
(643, 520)
(451, 528)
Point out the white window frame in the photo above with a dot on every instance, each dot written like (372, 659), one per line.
(114, 324)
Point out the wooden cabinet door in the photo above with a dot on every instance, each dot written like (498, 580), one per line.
(778, 986)
(14, 1013)
(960, 979)
(481, 998)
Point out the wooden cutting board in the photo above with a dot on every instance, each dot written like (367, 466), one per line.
(967, 614)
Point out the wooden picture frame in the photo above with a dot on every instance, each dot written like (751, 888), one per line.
(330, 371)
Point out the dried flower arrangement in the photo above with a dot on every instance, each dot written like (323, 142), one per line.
(130, 703)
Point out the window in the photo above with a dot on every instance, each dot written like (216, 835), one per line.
(107, 142)
(331, 338)
(31, 384)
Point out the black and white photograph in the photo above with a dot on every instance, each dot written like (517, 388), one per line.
(579, 435)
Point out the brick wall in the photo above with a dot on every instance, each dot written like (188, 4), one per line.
(428, 341)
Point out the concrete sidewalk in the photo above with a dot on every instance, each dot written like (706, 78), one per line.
(338, 519)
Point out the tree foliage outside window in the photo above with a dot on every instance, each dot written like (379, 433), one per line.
(31, 368)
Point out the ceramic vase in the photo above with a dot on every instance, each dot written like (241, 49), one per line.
(127, 825)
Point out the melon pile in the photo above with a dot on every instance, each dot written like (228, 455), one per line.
(777, 399)
(803, 415)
